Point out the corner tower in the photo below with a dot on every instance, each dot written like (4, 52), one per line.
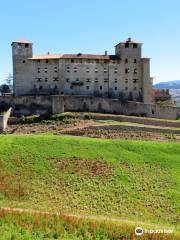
(21, 52)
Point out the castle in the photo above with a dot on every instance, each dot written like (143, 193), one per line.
(124, 75)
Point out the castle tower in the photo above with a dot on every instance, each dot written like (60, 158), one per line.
(22, 69)
(128, 48)
(136, 70)
(147, 81)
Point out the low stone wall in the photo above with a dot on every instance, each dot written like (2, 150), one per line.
(4, 120)
(137, 128)
(27, 105)
(145, 121)
(114, 106)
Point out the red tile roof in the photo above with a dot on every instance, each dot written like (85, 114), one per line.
(72, 56)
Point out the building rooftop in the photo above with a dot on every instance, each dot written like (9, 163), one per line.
(129, 40)
(22, 40)
(74, 56)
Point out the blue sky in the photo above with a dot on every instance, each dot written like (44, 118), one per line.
(93, 26)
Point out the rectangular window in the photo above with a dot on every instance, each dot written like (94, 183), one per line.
(126, 45)
(87, 69)
(46, 79)
(39, 79)
(55, 79)
(75, 69)
(115, 70)
(47, 60)
(115, 80)
(67, 79)
(88, 80)
(126, 88)
(96, 69)
(106, 80)
(135, 80)
(135, 71)
(105, 69)
(115, 88)
(87, 87)
(100, 87)
(96, 79)
(126, 60)
(135, 45)
(127, 70)
(135, 61)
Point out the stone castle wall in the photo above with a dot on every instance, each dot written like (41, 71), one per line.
(27, 105)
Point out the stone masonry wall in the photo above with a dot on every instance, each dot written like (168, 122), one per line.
(27, 105)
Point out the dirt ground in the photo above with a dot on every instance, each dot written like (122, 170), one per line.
(88, 128)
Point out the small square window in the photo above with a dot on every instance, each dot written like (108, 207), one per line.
(127, 70)
(26, 45)
(115, 88)
(126, 45)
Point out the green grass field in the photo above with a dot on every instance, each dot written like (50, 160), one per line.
(133, 180)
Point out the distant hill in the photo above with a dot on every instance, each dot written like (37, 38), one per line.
(170, 85)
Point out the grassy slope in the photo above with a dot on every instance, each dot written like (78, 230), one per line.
(130, 179)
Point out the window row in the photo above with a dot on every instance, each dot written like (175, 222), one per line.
(126, 60)
(101, 88)
(75, 69)
(55, 79)
(46, 70)
(127, 70)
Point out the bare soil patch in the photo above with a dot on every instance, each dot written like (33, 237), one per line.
(90, 128)
(88, 167)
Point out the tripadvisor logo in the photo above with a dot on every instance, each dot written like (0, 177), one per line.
(138, 231)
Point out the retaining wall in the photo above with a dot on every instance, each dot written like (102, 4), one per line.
(27, 105)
